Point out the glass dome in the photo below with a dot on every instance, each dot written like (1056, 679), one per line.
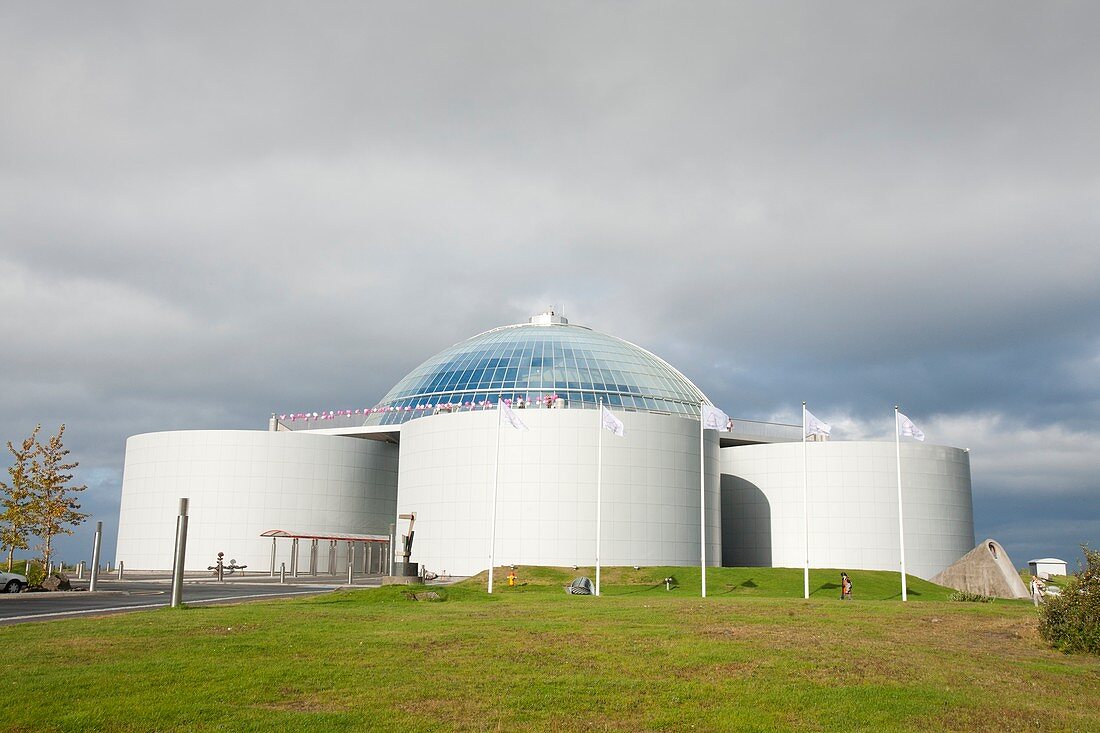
(547, 362)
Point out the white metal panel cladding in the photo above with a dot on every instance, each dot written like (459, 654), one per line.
(243, 482)
(853, 506)
(547, 492)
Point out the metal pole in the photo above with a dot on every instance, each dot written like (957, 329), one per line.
(282, 572)
(80, 571)
(120, 569)
(95, 555)
(702, 506)
(493, 521)
(351, 577)
(389, 549)
(901, 521)
(332, 557)
(179, 560)
(272, 557)
(313, 557)
(599, 485)
(294, 558)
(805, 508)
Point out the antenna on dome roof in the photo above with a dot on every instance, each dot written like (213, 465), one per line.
(548, 318)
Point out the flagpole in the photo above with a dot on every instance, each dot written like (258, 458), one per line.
(599, 485)
(901, 520)
(805, 508)
(493, 525)
(702, 507)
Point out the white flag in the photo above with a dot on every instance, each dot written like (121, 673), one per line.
(907, 429)
(508, 415)
(815, 426)
(714, 419)
(610, 422)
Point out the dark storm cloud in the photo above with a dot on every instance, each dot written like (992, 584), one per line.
(211, 212)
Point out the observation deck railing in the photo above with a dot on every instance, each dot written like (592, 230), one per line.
(352, 419)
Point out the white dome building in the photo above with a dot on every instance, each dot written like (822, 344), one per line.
(433, 446)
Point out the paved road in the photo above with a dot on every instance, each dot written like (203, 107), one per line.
(114, 596)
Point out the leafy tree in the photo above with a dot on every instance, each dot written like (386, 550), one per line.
(15, 499)
(1070, 622)
(53, 506)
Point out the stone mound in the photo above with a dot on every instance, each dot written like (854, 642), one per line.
(985, 570)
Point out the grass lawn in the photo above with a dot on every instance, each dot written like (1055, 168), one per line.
(753, 655)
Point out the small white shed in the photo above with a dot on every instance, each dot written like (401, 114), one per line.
(1045, 567)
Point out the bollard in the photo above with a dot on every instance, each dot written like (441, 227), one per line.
(282, 572)
(120, 570)
(95, 555)
(179, 558)
(80, 571)
(351, 579)
(108, 566)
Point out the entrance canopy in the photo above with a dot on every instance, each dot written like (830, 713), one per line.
(336, 536)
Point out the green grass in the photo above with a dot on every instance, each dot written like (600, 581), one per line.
(743, 582)
(752, 656)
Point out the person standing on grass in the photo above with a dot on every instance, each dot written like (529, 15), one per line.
(845, 587)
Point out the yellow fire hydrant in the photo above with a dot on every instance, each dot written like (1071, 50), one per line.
(511, 578)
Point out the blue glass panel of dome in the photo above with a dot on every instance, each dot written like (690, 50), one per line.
(535, 360)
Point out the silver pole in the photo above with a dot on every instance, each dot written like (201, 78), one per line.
(702, 506)
(120, 570)
(351, 577)
(179, 561)
(294, 558)
(901, 519)
(272, 557)
(282, 572)
(389, 550)
(95, 555)
(599, 485)
(805, 509)
(493, 520)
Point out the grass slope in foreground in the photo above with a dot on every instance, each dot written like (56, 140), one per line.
(533, 658)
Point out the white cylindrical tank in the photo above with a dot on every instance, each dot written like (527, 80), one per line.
(853, 506)
(244, 482)
(546, 510)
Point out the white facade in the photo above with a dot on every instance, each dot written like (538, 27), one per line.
(546, 496)
(853, 506)
(243, 482)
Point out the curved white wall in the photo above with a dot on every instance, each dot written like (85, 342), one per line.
(243, 482)
(547, 492)
(853, 506)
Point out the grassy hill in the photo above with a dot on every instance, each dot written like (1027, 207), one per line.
(735, 582)
(752, 656)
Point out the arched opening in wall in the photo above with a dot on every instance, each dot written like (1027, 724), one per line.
(746, 524)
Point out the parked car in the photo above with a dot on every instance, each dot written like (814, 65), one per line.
(13, 582)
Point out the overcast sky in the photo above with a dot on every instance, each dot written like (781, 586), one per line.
(212, 211)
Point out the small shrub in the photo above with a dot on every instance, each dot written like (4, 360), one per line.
(967, 597)
(1070, 622)
(35, 574)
